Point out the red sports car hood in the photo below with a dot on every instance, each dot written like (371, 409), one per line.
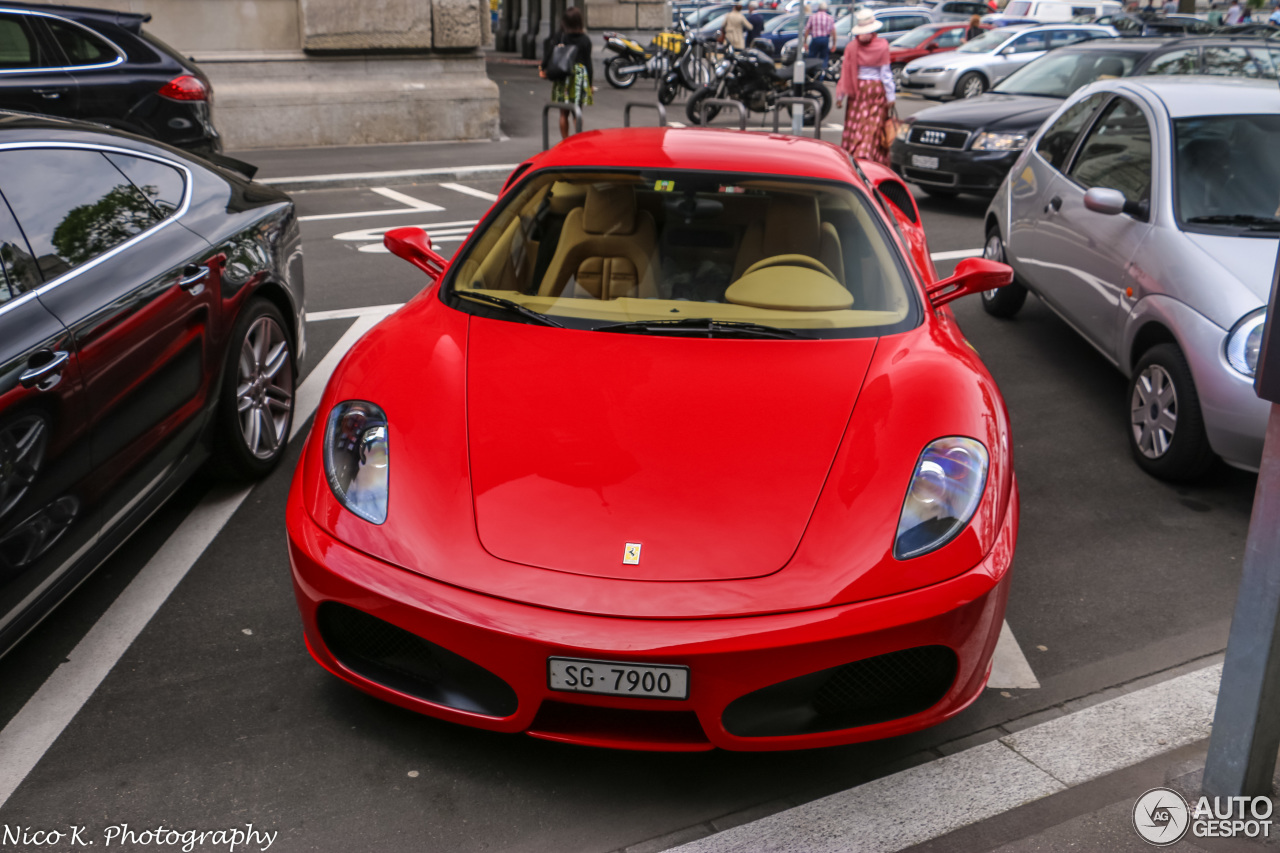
(709, 454)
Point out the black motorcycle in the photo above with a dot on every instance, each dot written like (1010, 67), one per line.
(674, 56)
(690, 68)
(752, 77)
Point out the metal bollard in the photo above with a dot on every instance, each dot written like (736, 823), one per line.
(804, 102)
(723, 102)
(573, 109)
(656, 105)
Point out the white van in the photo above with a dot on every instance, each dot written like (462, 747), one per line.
(1057, 11)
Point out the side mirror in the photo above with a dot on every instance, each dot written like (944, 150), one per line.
(931, 47)
(414, 246)
(972, 275)
(1111, 202)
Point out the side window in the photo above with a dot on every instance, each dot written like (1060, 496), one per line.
(80, 46)
(1231, 62)
(17, 267)
(162, 185)
(1056, 143)
(950, 38)
(1185, 61)
(19, 47)
(1117, 152)
(1027, 43)
(73, 205)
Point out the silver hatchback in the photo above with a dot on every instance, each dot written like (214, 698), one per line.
(1145, 213)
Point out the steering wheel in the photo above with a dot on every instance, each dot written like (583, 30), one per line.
(789, 261)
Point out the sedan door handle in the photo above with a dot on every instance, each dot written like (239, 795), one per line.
(44, 375)
(49, 94)
(1054, 205)
(193, 274)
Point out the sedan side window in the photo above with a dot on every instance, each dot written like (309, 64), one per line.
(1055, 145)
(1062, 38)
(950, 38)
(163, 185)
(80, 46)
(16, 264)
(1117, 153)
(1186, 61)
(1232, 62)
(19, 47)
(1026, 44)
(73, 205)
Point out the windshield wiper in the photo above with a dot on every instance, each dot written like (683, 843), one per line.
(509, 305)
(731, 328)
(1255, 223)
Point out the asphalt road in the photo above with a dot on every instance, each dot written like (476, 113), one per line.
(217, 717)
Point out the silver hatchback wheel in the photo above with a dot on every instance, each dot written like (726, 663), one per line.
(1154, 411)
(264, 388)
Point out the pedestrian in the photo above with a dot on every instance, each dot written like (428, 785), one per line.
(974, 29)
(818, 29)
(1234, 13)
(576, 88)
(1274, 20)
(1171, 7)
(866, 86)
(756, 20)
(736, 27)
(1215, 15)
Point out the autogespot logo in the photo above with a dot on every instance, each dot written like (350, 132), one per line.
(1161, 817)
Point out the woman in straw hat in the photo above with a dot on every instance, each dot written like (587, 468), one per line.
(866, 85)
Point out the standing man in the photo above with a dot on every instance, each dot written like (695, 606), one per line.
(756, 20)
(819, 29)
(735, 27)
(1234, 13)
(1274, 20)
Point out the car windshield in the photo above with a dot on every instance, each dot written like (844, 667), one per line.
(918, 36)
(1017, 8)
(777, 23)
(988, 42)
(644, 251)
(1057, 75)
(1227, 175)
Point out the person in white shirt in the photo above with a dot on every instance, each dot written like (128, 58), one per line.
(1234, 14)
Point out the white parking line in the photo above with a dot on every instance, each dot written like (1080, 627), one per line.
(413, 205)
(957, 254)
(1009, 667)
(28, 736)
(471, 191)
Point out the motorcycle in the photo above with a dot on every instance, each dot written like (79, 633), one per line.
(752, 77)
(633, 61)
(690, 69)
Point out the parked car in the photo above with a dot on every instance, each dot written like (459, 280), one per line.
(102, 66)
(927, 40)
(977, 65)
(897, 21)
(606, 557)
(1060, 11)
(151, 314)
(970, 145)
(713, 27)
(1145, 215)
(1137, 26)
(958, 10)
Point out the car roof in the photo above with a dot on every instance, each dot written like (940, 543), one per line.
(1189, 95)
(699, 149)
(1151, 43)
(131, 21)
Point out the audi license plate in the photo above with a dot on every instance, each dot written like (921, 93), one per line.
(614, 678)
(922, 162)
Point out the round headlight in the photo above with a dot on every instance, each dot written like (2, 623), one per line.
(357, 458)
(1245, 342)
(944, 493)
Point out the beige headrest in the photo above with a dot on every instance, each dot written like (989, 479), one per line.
(610, 209)
(565, 197)
(791, 226)
(608, 278)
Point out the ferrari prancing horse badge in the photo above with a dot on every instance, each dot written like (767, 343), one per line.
(631, 554)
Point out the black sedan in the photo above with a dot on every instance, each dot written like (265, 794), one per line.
(970, 145)
(151, 310)
(102, 66)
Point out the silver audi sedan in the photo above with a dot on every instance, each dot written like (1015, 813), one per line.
(1146, 213)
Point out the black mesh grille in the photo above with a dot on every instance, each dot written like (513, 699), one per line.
(937, 137)
(900, 197)
(912, 677)
(874, 690)
(391, 656)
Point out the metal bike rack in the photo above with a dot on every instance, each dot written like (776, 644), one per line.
(656, 105)
(805, 102)
(723, 102)
(572, 109)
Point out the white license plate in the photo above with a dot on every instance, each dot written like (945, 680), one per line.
(615, 678)
(922, 162)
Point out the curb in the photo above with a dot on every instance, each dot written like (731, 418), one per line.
(976, 784)
(386, 179)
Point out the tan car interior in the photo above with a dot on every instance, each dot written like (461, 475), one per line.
(770, 245)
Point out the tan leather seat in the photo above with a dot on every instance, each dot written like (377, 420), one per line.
(606, 247)
(791, 227)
